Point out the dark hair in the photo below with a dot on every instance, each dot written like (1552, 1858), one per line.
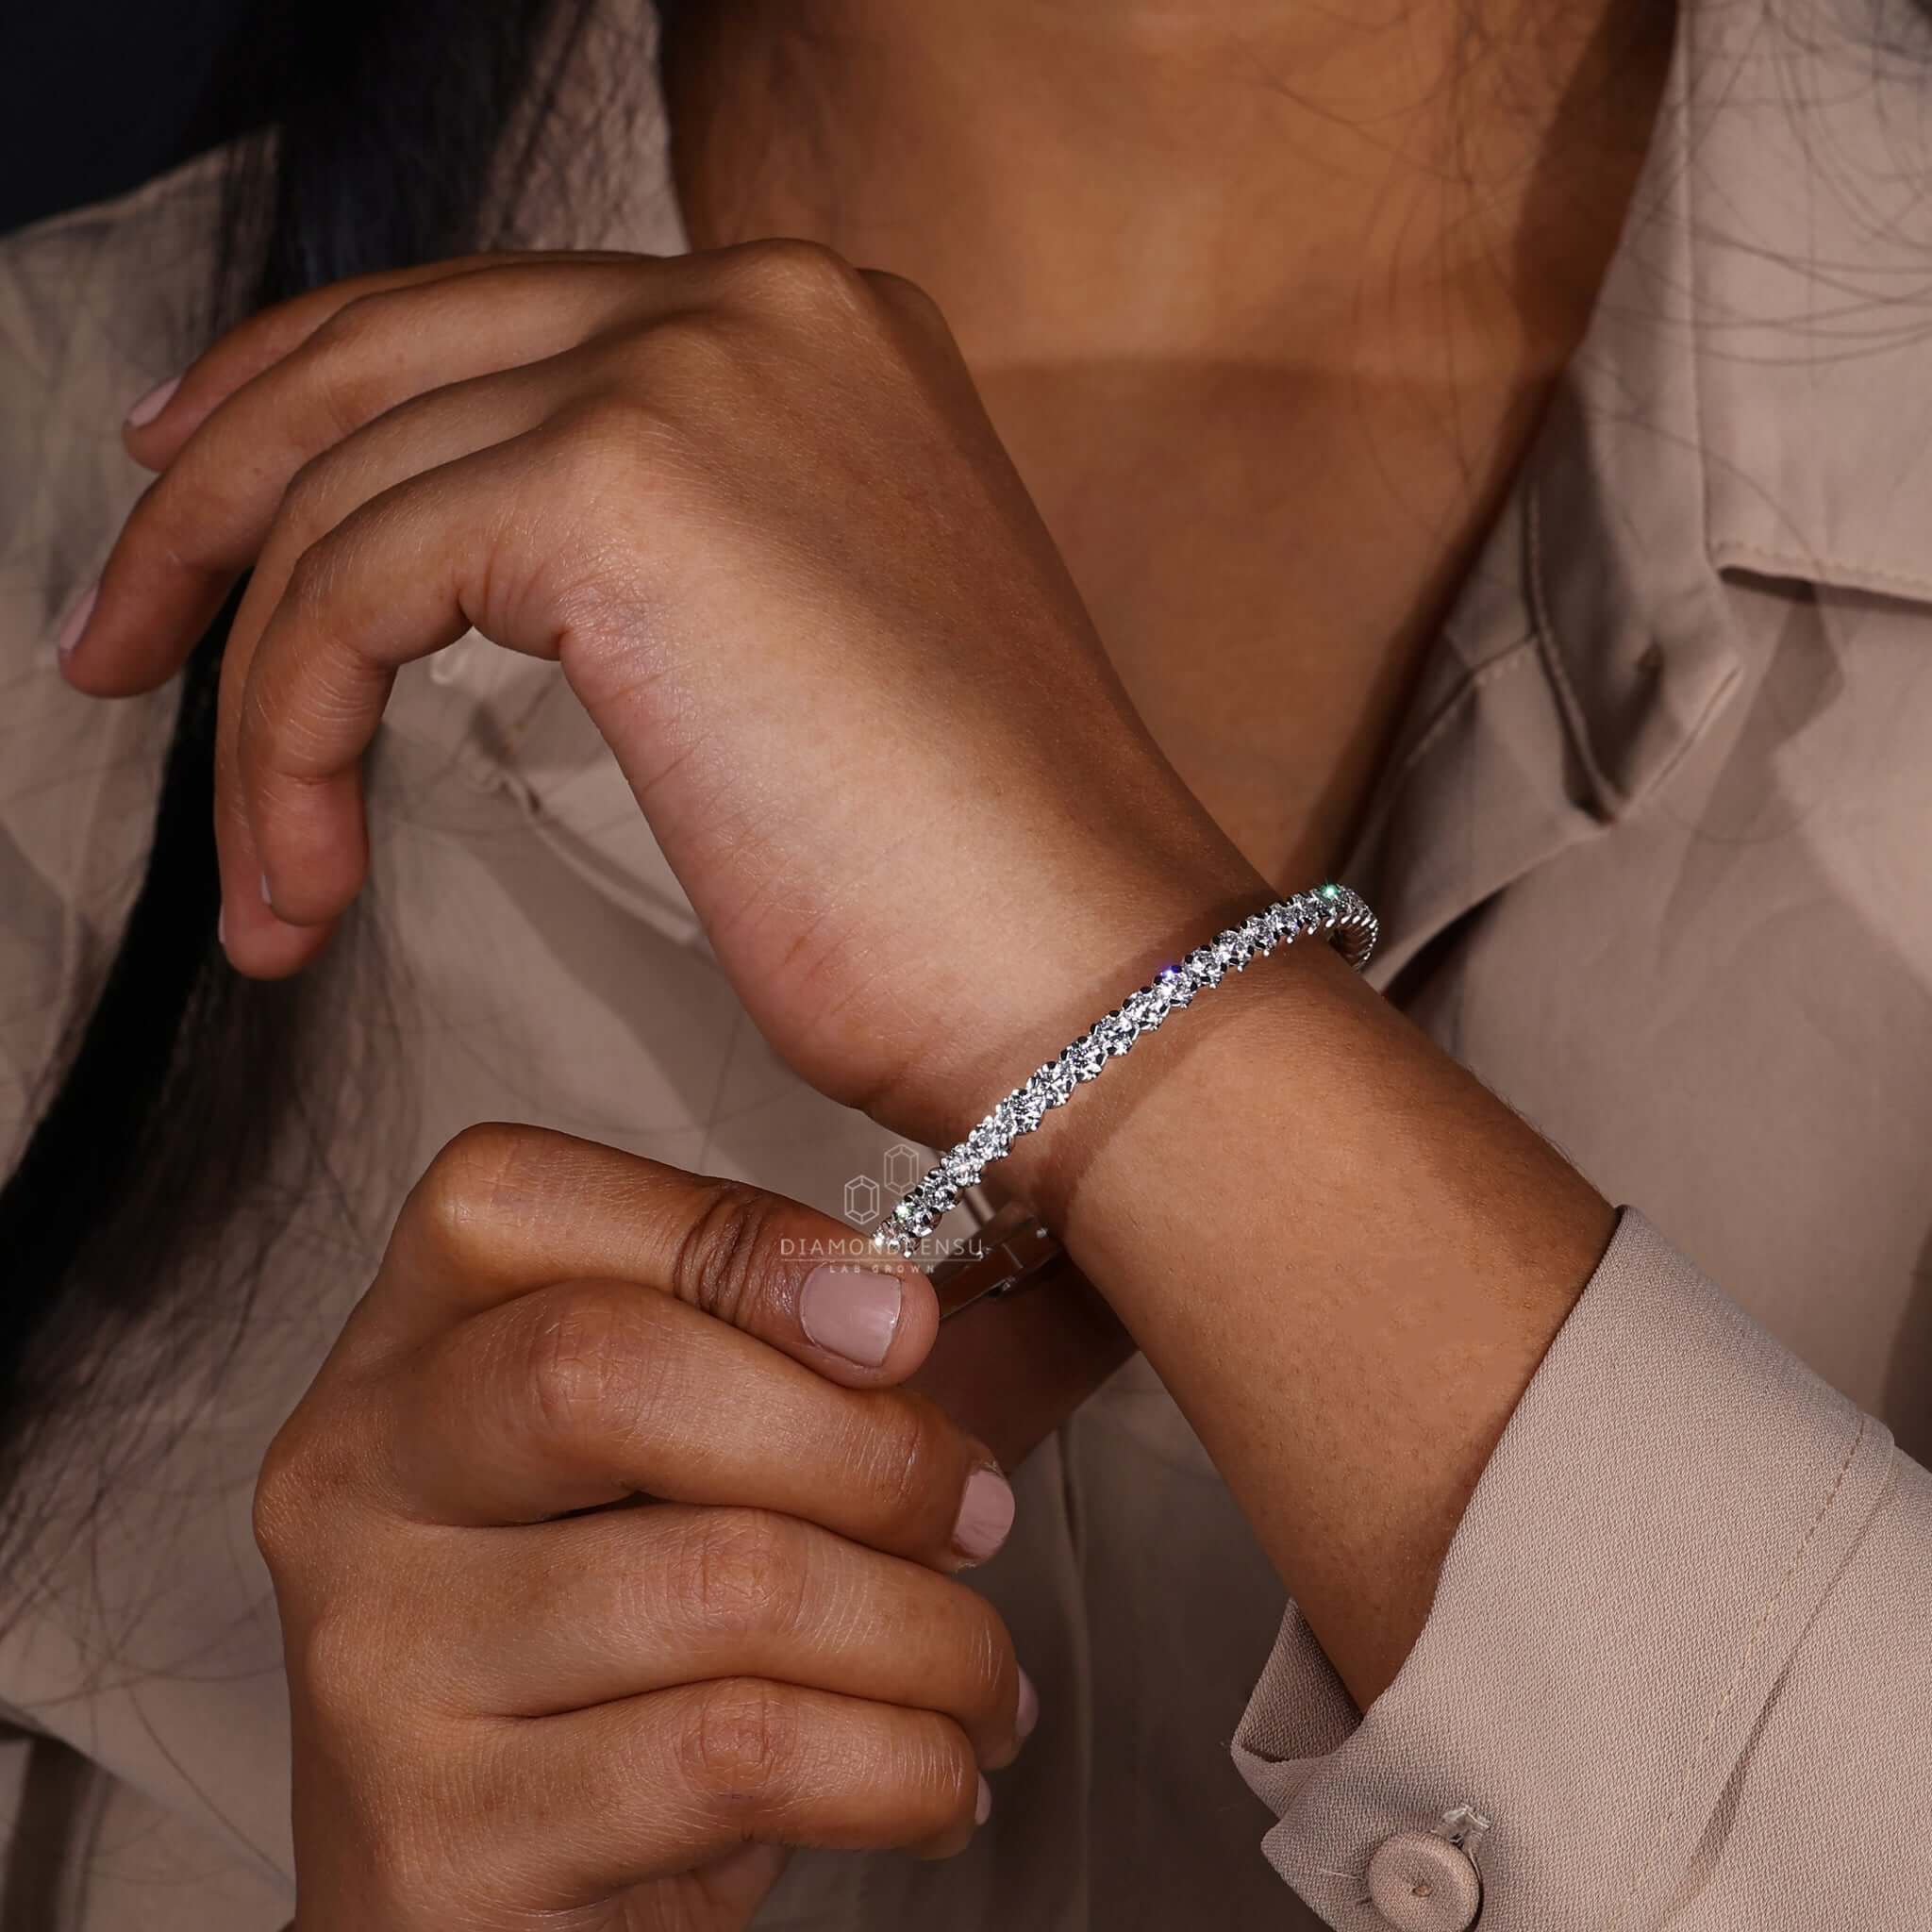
(173, 1091)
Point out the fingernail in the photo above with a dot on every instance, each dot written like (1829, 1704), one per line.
(151, 404)
(266, 900)
(852, 1311)
(1027, 1714)
(982, 1806)
(222, 929)
(76, 621)
(986, 1514)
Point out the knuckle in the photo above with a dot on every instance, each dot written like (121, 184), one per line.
(727, 1263)
(692, 351)
(306, 590)
(344, 373)
(583, 1370)
(907, 299)
(740, 1739)
(304, 1477)
(937, 1775)
(165, 517)
(452, 1203)
(798, 276)
(280, 1506)
(616, 456)
(900, 1459)
(307, 499)
(742, 1572)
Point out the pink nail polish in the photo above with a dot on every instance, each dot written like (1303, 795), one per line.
(151, 404)
(982, 1804)
(76, 621)
(851, 1310)
(1027, 1713)
(986, 1514)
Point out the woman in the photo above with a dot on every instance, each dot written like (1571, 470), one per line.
(1481, 459)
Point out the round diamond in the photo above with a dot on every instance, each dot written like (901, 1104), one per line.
(1205, 968)
(1029, 1105)
(1056, 1079)
(1115, 1033)
(960, 1168)
(1086, 1056)
(1176, 986)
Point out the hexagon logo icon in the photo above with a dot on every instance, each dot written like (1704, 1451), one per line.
(903, 1165)
(861, 1200)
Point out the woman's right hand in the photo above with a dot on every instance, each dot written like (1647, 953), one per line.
(518, 1704)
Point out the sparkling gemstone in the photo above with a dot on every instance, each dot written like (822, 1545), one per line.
(986, 1142)
(1086, 1056)
(1258, 933)
(1205, 968)
(941, 1197)
(1029, 1105)
(1115, 1033)
(1176, 986)
(1056, 1079)
(960, 1168)
(1145, 1011)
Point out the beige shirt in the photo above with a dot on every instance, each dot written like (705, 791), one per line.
(1652, 856)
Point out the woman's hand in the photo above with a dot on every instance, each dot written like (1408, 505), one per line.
(752, 503)
(516, 1704)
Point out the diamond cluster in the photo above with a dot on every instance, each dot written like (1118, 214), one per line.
(1331, 912)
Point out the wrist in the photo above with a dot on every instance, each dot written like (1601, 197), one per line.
(1052, 995)
(1113, 1150)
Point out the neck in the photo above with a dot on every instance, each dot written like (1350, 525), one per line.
(1217, 177)
(1262, 299)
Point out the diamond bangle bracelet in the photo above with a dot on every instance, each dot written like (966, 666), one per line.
(1331, 912)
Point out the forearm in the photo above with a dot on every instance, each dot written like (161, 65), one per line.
(1344, 1258)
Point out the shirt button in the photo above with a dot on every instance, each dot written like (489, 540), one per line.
(1421, 1883)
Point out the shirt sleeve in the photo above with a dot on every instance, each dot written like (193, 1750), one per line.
(1678, 1670)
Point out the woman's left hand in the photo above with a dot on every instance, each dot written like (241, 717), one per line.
(752, 504)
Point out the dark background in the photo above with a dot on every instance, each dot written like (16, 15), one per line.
(94, 98)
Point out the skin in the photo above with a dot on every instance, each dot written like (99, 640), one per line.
(773, 1653)
(783, 528)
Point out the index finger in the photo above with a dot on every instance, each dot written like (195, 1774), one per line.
(505, 1210)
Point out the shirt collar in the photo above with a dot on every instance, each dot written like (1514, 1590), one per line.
(1754, 393)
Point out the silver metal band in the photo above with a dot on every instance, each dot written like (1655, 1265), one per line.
(1333, 914)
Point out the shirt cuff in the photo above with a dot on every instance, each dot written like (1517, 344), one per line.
(1670, 1503)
